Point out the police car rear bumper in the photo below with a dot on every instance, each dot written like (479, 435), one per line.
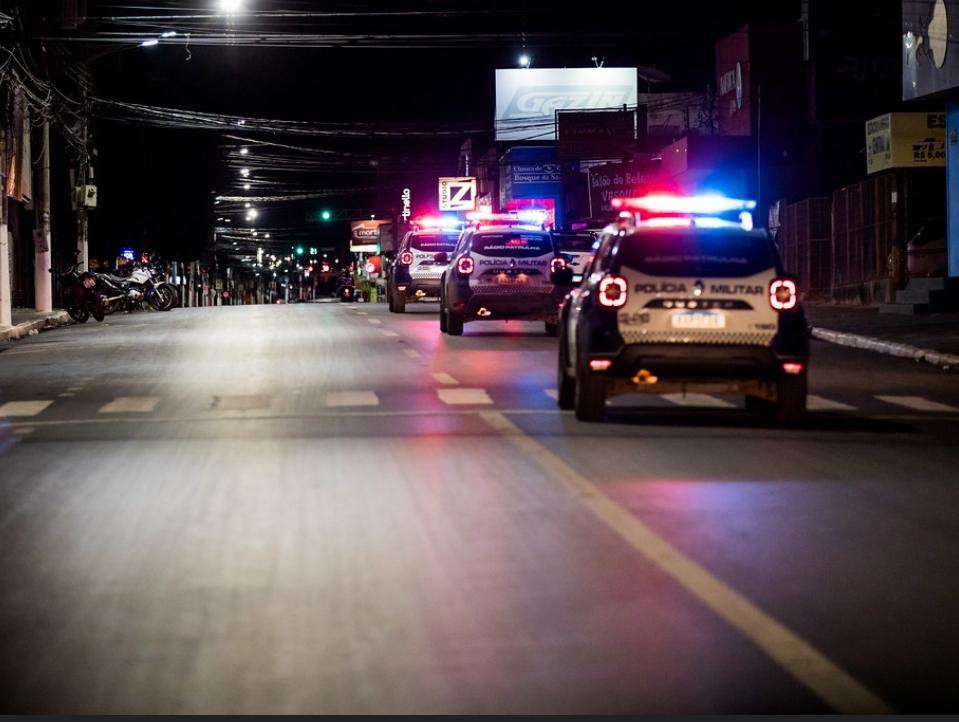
(420, 288)
(699, 362)
(537, 306)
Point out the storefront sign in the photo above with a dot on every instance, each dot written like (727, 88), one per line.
(615, 180)
(406, 198)
(905, 140)
(594, 134)
(367, 236)
(457, 194)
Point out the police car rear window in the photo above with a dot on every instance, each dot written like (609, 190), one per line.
(434, 243)
(516, 245)
(715, 255)
(573, 243)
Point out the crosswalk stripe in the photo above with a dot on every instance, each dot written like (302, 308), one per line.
(697, 400)
(130, 405)
(23, 408)
(445, 378)
(459, 397)
(819, 403)
(388, 333)
(552, 393)
(412, 352)
(918, 403)
(352, 398)
(374, 321)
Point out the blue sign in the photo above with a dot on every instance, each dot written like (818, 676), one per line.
(528, 172)
(128, 253)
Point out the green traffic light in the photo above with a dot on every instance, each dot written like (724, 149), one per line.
(299, 250)
(326, 215)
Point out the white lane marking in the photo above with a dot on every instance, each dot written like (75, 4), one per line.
(362, 313)
(23, 408)
(457, 397)
(698, 400)
(74, 388)
(23, 430)
(374, 321)
(352, 398)
(808, 665)
(66, 394)
(412, 352)
(552, 393)
(130, 405)
(819, 403)
(388, 333)
(445, 378)
(918, 403)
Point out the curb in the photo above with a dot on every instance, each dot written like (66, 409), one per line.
(945, 361)
(57, 318)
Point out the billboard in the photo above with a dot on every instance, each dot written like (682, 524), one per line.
(457, 194)
(528, 98)
(595, 134)
(529, 172)
(928, 67)
(906, 140)
(367, 236)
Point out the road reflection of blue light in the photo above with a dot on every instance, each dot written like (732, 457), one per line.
(7, 436)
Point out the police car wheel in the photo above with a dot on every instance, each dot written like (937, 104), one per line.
(552, 329)
(565, 384)
(399, 302)
(590, 394)
(389, 299)
(454, 323)
(443, 327)
(789, 409)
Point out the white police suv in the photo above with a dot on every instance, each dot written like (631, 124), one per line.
(415, 272)
(504, 266)
(684, 295)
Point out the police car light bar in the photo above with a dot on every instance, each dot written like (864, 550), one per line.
(706, 205)
(527, 216)
(441, 223)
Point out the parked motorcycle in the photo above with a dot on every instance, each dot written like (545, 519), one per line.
(80, 297)
(131, 291)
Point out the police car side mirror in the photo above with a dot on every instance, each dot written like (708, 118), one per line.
(441, 258)
(563, 277)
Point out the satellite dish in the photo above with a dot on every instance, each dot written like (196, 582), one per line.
(652, 75)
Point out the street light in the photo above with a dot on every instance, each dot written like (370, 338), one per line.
(246, 186)
(245, 172)
(244, 151)
(326, 215)
(231, 6)
(525, 60)
(149, 43)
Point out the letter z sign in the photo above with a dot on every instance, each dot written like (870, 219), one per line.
(457, 194)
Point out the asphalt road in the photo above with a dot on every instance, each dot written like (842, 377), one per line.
(331, 509)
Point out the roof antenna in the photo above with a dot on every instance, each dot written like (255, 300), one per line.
(598, 62)
(187, 48)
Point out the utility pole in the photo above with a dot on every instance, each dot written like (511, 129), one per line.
(42, 280)
(6, 302)
(83, 177)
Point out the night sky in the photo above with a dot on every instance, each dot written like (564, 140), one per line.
(156, 184)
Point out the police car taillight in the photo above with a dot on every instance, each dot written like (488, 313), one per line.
(613, 291)
(557, 264)
(465, 266)
(406, 258)
(783, 294)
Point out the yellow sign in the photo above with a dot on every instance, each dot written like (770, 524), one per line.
(905, 140)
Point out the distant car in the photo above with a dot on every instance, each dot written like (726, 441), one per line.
(684, 301)
(577, 247)
(415, 271)
(926, 252)
(504, 266)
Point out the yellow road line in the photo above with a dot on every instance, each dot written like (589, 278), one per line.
(808, 665)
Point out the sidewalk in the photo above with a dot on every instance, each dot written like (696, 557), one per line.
(26, 320)
(933, 338)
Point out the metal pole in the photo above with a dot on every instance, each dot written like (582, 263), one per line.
(6, 301)
(83, 244)
(42, 280)
(759, 152)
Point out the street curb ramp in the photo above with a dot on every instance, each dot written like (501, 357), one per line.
(945, 361)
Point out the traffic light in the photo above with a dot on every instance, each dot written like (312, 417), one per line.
(299, 250)
(325, 214)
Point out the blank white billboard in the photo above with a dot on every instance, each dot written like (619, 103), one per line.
(527, 98)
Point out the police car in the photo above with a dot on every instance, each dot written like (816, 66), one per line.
(684, 295)
(577, 248)
(504, 266)
(415, 273)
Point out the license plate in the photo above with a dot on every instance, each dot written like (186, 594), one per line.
(89, 282)
(506, 280)
(699, 319)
